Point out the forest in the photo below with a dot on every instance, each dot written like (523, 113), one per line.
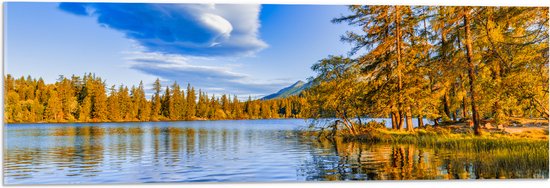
(446, 64)
(87, 99)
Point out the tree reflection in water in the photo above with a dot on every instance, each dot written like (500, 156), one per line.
(339, 160)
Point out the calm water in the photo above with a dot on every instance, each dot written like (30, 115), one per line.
(222, 151)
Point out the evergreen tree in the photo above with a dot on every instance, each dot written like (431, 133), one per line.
(156, 101)
(167, 104)
(53, 111)
(203, 105)
(68, 98)
(191, 102)
(113, 105)
(225, 105)
(237, 110)
(177, 110)
(388, 34)
(98, 100)
(126, 104)
(144, 107)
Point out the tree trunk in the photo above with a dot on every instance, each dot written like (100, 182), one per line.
(497, 70)
(420, 122)
(399, 77)
(471, 70)
(350, 126)
(393, 121)
(446, 106)
(445, 63)
(400, 121)
(464, 108)
(408, 116)
(346, 122)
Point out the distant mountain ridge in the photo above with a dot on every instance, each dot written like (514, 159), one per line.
(292, 90)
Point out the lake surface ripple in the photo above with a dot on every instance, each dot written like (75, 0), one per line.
(229, 151)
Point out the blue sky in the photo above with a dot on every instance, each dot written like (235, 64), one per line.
(235, 49)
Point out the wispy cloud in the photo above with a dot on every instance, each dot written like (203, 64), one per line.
(212, 79)
(185, 29)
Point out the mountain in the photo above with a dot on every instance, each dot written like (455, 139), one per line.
(294, 89)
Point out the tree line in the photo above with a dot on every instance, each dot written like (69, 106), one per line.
(88, 99)
(442, 63)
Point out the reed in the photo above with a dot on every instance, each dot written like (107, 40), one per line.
(442, 138)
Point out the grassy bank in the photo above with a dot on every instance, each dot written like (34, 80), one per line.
(448, 137)
(441, 139)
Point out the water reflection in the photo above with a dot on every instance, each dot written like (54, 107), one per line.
(356, 161)
(234, 151)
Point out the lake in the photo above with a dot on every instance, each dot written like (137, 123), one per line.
(228, 151)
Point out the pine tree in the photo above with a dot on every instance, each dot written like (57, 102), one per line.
(202, 105)
(99, 100)
(225, 105)
(68, 98)
(167, 104)
(471, 67)
(53, 111)
(156, 101)
(191, 103)
(113, 105)
(387, 33)
(144, 112)
(126, 104)
(237, 110)
(178, 103)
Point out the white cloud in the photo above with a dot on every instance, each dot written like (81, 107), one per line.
(185, 29)
(212, 79)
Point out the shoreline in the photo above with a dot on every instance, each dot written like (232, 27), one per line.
(441, 136)
(120, 122)
(455, 131)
